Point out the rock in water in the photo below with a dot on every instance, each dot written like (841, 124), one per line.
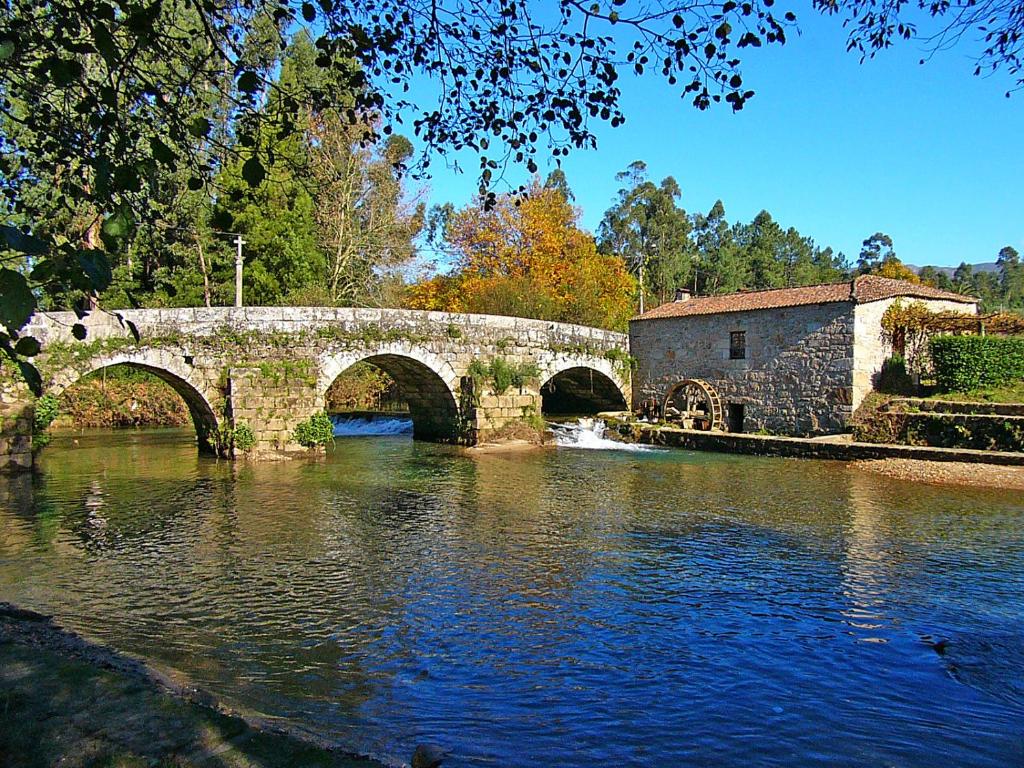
(428, 756)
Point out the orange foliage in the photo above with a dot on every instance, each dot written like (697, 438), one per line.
(895, 269)
(528, 257)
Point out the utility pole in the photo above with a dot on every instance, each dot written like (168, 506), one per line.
(238, 270)
(641, 286)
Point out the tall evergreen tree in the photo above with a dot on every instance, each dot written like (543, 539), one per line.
(649, 231)
(1011, 276)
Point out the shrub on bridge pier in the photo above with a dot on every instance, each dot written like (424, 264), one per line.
(315, 431)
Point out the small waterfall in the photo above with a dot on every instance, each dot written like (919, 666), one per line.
(361, 426)
(589, 433)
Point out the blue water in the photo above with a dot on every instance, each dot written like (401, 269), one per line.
(378, 426)
(561, 607)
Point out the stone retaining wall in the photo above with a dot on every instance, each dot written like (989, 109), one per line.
(797, 447)
(952, 406)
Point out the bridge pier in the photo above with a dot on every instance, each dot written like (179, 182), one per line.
(17, 412)
(485, 413)
(270, 401)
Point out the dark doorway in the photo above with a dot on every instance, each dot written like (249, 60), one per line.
(735, 417)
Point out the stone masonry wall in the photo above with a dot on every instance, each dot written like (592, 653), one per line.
(797, 377)
(486, 412)
(873, 346)
(16, 415)
(269, 368)
(270, 401)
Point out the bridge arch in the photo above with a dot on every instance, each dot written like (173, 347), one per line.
(582, 386)
(166, 366)
(426, 381)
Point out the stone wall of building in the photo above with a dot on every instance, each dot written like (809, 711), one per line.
(796, 377)
(873, 345)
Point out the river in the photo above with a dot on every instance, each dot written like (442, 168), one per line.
(564, 607)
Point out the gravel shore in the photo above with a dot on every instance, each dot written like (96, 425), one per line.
(67, 702)
(947, 472)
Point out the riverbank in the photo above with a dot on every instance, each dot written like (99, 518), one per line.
(68, 702)
(947, 472)
(121, 399)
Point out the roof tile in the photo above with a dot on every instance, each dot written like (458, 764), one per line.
(861, 290)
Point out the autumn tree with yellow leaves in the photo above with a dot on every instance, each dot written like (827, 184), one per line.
(527, 256)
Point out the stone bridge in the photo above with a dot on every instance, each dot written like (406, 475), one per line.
(269, 368)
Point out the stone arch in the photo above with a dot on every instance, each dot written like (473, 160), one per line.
(166, 366)
(582, 386)
(426, 381)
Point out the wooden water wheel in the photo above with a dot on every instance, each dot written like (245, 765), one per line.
(694, 403)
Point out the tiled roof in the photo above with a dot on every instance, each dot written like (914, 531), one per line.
(860, 290)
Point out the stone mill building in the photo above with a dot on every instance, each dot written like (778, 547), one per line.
(790, 360)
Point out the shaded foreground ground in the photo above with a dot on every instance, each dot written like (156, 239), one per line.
(67, 702)
(948, 472)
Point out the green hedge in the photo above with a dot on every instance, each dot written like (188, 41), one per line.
(965, 363)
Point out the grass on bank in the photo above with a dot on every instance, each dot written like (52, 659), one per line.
(1012, 393)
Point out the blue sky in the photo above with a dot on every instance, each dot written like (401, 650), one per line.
(838, 149)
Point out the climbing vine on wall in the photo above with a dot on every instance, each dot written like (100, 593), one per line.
(908, 327)
(46, 410)
(500, 375)
(917, 318)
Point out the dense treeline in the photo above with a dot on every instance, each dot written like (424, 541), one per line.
(328, 219)
(1002, 289)
(333, 221)
(668, 248)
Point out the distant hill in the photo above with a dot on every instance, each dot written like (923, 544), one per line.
(986, 266)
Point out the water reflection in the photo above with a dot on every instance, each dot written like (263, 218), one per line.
(545, 607)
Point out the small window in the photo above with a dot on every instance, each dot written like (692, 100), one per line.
(738, 345)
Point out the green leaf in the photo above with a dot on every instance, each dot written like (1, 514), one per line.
(18, 241)
(105, 45)
(200, 127)
(43, 271)
(161, 152)
(117, 227)
(17, 302)
(27, 346)
(253, 172)
(97, 267)
(31, 376)
(64, 71)
(248, 81)
(7, 48)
